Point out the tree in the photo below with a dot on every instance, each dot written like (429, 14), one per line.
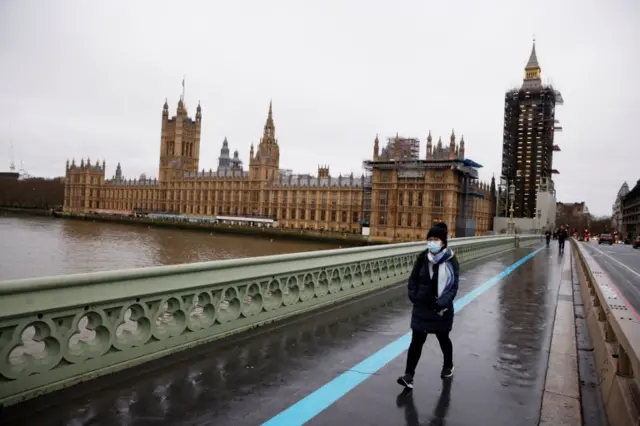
(600, 225)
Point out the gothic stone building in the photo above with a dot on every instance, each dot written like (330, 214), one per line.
(410, 194)
(321, 202)
(401, 208)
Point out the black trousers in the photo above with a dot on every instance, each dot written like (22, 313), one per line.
(561, 244)
(415, 350)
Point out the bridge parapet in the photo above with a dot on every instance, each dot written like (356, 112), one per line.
(62, 330)
(614, 327)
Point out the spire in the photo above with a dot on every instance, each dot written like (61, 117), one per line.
(533, 58)
(532, 71)
(269, 128)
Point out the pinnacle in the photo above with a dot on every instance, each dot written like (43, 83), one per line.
(533, 59)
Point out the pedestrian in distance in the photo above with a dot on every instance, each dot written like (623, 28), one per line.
(432, 287)
(562, 236)
(547, 235)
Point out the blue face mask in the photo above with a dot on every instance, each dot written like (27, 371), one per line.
(434, 246)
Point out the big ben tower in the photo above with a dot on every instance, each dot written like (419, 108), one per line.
(527, 147)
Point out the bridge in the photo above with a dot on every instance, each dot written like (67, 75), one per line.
(319, 338)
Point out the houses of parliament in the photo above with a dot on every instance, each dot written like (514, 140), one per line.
(398, 198)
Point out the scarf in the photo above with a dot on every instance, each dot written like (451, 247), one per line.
(440, 266)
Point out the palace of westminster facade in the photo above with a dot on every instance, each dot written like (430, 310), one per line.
(400, 196)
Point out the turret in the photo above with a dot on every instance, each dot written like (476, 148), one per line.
(376, 148)
(118, 176)
(452, 145)
(461, 150)
(429, 146)
(165, 109)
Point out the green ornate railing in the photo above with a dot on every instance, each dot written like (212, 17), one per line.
(62, 330)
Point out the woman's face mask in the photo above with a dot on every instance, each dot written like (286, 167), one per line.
(434, 246)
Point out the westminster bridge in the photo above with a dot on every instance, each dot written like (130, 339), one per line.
(316, 338)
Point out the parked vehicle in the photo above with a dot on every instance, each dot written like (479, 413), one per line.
(605, 239)
(636, 243)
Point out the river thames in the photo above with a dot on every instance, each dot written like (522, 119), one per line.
(42, 246)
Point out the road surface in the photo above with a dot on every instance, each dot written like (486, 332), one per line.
(622, 263)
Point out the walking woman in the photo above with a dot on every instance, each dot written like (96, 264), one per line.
(433, 284)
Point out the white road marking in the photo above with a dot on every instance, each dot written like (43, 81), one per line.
(617, 261)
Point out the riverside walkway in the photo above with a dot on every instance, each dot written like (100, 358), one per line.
(340, 366)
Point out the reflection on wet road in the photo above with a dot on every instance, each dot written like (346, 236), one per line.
(622, 263)
(501, 343)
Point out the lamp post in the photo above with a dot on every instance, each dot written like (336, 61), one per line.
(512, 196)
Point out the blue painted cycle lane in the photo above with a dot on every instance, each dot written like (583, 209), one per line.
(501, 340)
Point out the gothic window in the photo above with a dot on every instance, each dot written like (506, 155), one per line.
(383, 200)
(437, 199)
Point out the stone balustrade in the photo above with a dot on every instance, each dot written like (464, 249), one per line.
(615, 333)
(61, 330)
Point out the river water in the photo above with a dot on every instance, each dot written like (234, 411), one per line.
(42, 246)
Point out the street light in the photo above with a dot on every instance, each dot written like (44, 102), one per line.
(512, 196)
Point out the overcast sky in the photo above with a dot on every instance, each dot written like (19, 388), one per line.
(88, 78)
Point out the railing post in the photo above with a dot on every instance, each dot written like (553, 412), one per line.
(623, 366)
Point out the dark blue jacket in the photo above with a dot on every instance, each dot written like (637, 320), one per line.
(423, 293)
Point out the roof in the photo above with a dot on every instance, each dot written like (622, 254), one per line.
(533, 59)
(470, 163)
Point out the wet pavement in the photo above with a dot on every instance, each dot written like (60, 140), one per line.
(622, 263)
(501, 343)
